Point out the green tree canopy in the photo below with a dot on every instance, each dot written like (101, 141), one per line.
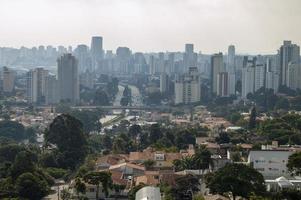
(239, 179)
(294, 164)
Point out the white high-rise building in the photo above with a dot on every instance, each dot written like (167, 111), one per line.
(272, 75)
(84, 60)
(260, 75)
(36, 85)
(248, 80)
(188, 87)
(231, 59)
(293, 76)
(217, 66)
(68, 79)
(96, 51)
(164, 83)
(51, 90)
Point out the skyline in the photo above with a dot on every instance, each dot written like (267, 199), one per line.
(150, 26)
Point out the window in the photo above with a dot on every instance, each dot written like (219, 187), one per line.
(91, 190)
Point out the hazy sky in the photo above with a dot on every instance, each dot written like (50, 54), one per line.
(254, 26)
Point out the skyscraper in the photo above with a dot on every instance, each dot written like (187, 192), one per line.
(190, 58)
(36, 85)
(289, 53)
(217, 66)
(231, 59)
(164, 83)
(68, 79)
(96, 51)
(248, 77)
(223, 84)
(82, 55)
(188, 87)
(8, 79)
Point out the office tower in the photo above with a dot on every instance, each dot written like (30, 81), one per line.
(161, 63)
(289, 53)
(260, 75)
(171, 63)
(96, 51)
(8, 77)
(36, 85)
(231, 59)
(51, 90)
(82, 55)
(190, 58)
(231, 84)
(188, 87)
(61, 50)
(217, 66)
(68, 80)
(139, 63)
(248, 77)
(123, 58)
(293, 76)
(152, 65)
(164, 83)
(222, 84)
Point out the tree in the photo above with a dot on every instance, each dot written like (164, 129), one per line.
(80, 187)
(24, 162)
(30, 187)
(66, 132)
(202, 158)
(134, 190)
(124, 101)
(63, 108)
(148, 164)
(97, 178)
(294, 164)
(186, 187)
(252, 120)
(101, 98)
(13, 130)
(65, 194)
(134, 130)
(239, 179)
(90, 119)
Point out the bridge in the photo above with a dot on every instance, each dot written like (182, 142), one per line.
(150, 108)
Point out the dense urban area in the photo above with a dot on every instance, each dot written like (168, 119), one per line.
(88, 123)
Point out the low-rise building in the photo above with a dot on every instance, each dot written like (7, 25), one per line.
(270, 163)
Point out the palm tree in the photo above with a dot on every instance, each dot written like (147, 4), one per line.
(97, 178)
(203, 158)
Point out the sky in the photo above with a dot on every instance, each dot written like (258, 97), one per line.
(253, 26)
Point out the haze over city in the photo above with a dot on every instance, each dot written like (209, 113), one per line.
(150, 99)
(255, 27)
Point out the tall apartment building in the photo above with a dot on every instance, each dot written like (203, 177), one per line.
(96, 51)
(51, 90)
(217, 66)
(190, 58)
(8, 79)
(36, 85)
(188, 87)
(293, 76)
(288, 53)
(260, 76)
(231, 60)
(68, 78)
(248, 79)
(164, 83)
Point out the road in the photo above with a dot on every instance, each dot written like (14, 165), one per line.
(118, 95)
